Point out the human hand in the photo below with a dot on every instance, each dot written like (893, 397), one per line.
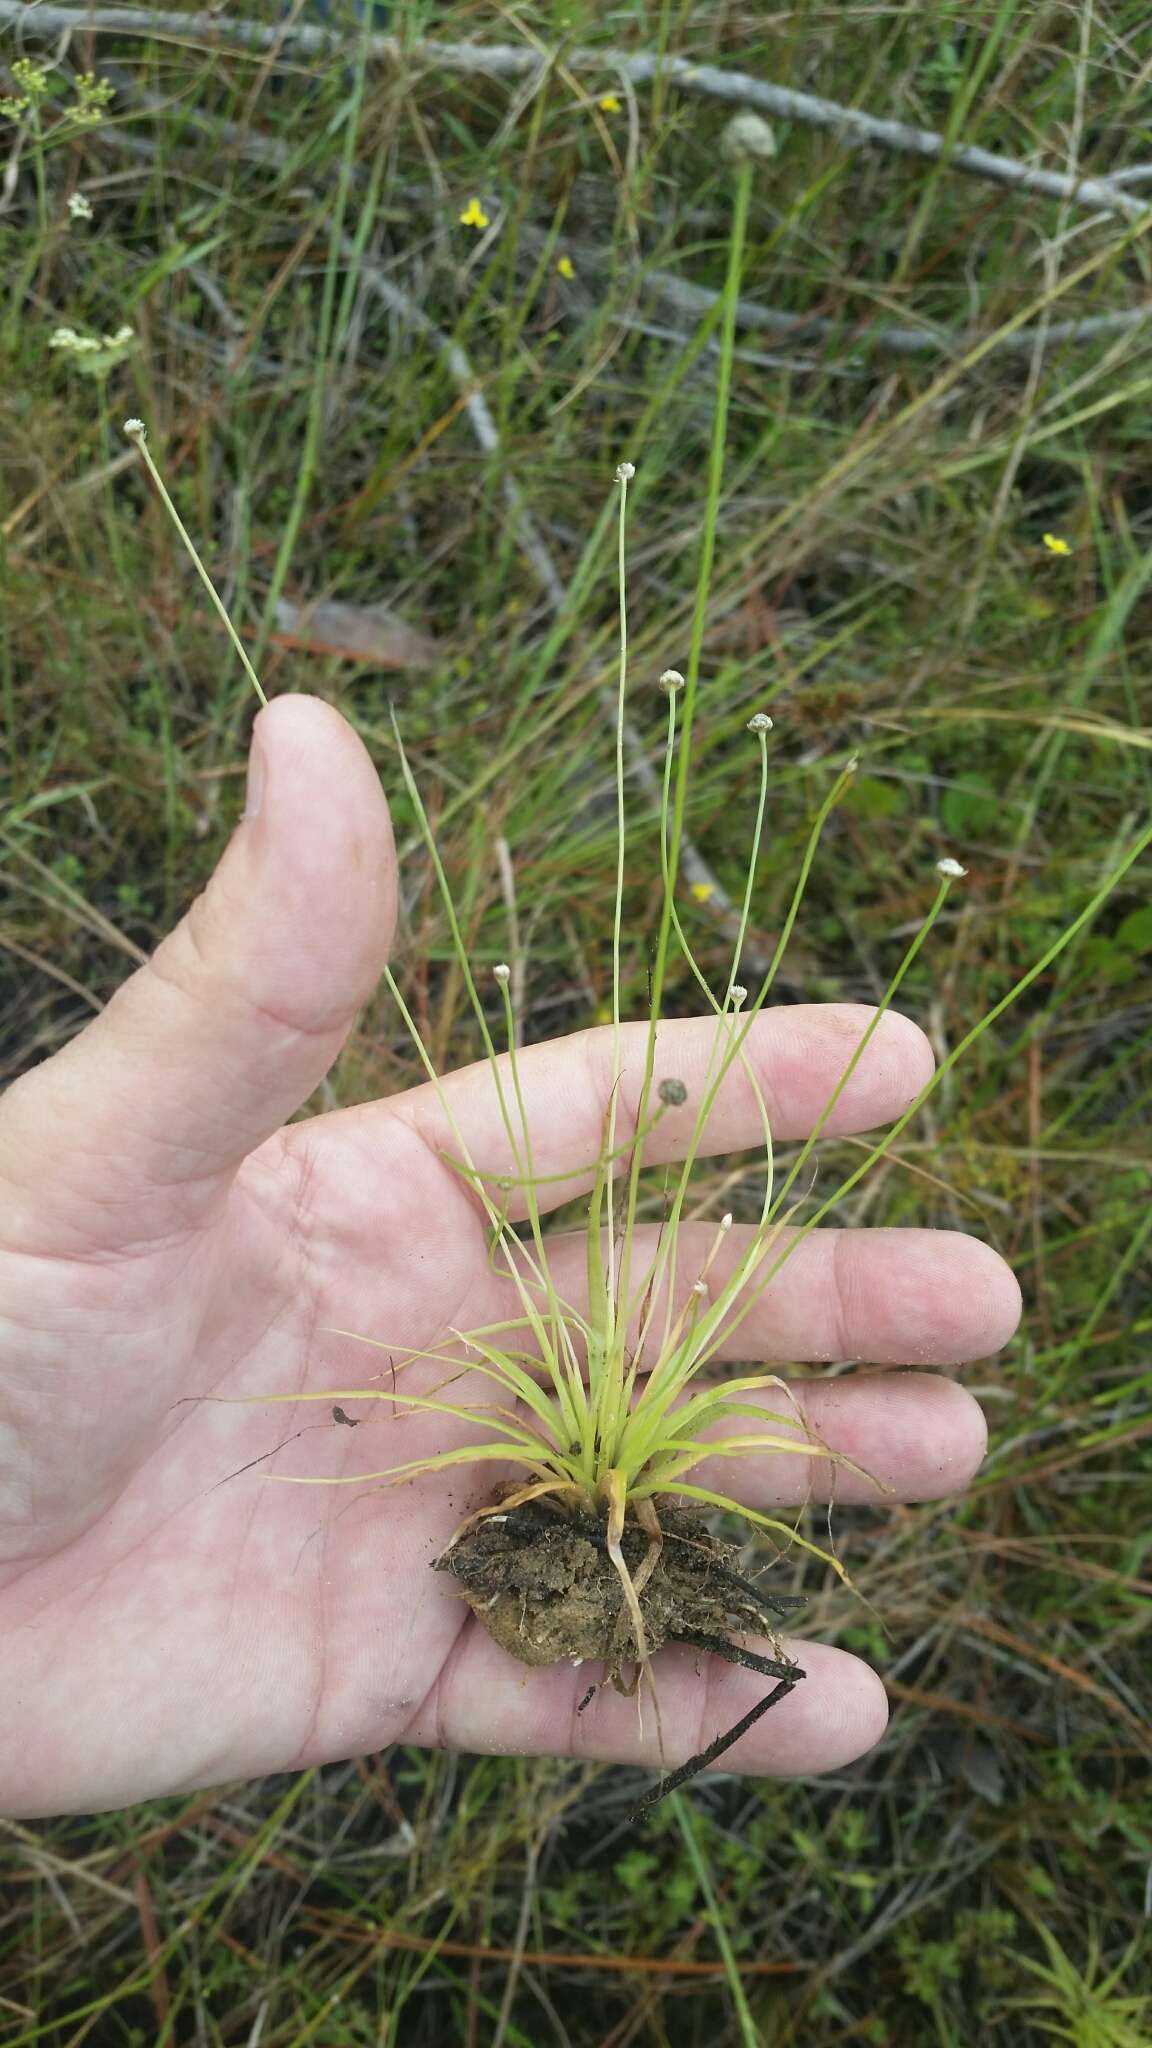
(164, 1234)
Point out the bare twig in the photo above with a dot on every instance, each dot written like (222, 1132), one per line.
(1135, 174)
(498, 60)
(678, 293)
(755, 358)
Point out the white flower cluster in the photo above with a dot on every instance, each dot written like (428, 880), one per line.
(72, 343)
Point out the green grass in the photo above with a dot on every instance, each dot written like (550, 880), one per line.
(882, 587)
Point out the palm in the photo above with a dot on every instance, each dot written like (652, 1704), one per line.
(162, 1629)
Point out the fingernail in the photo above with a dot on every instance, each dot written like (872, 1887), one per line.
(254, 793)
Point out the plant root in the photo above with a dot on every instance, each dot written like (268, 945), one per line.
(789, 1676)
(545, 1582)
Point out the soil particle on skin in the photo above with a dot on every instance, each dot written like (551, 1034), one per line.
(540, 1581)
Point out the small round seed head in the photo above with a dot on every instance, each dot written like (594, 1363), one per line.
(671, 680)
(726, 1221)
(951, 870)
(852, 764)
(739, 995)
(699, 1287)
(748, 135)
(135, 430)
(760, 722)
(625, 472)
(673, 1093)
(502, 972)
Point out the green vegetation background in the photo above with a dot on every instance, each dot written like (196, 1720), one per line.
(261, 220)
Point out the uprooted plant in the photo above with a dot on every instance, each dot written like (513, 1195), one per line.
(594, 1546)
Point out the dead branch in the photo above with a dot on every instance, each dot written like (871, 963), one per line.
(695, 299)
(849, 124)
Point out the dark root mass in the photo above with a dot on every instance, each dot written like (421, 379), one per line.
(539, 1579)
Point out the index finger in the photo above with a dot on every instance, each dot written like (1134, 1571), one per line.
(798, 1054)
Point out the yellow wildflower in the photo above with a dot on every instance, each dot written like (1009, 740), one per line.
(566, 267)
(609, 104)
(701, 891)
(474, 215)
(1055, 545)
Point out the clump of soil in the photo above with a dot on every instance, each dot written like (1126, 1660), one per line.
(541, 1582)
(539, 1578)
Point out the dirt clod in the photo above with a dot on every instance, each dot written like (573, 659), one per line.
(541, 1582)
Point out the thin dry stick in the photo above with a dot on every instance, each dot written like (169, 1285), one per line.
(498, 60)
(696, 299)
(754, 357)
(718, 903)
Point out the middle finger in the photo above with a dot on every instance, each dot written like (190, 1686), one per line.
(885, 1297)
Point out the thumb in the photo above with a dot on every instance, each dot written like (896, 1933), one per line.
(134, 1129)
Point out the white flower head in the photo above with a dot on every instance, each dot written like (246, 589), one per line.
(502, 972)
(625, 472)
(135, 430)
(80, 206)
(739, 995)
(94, 354)
(760, 722)
(748, 135)
(951, 870)
(671, 679)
